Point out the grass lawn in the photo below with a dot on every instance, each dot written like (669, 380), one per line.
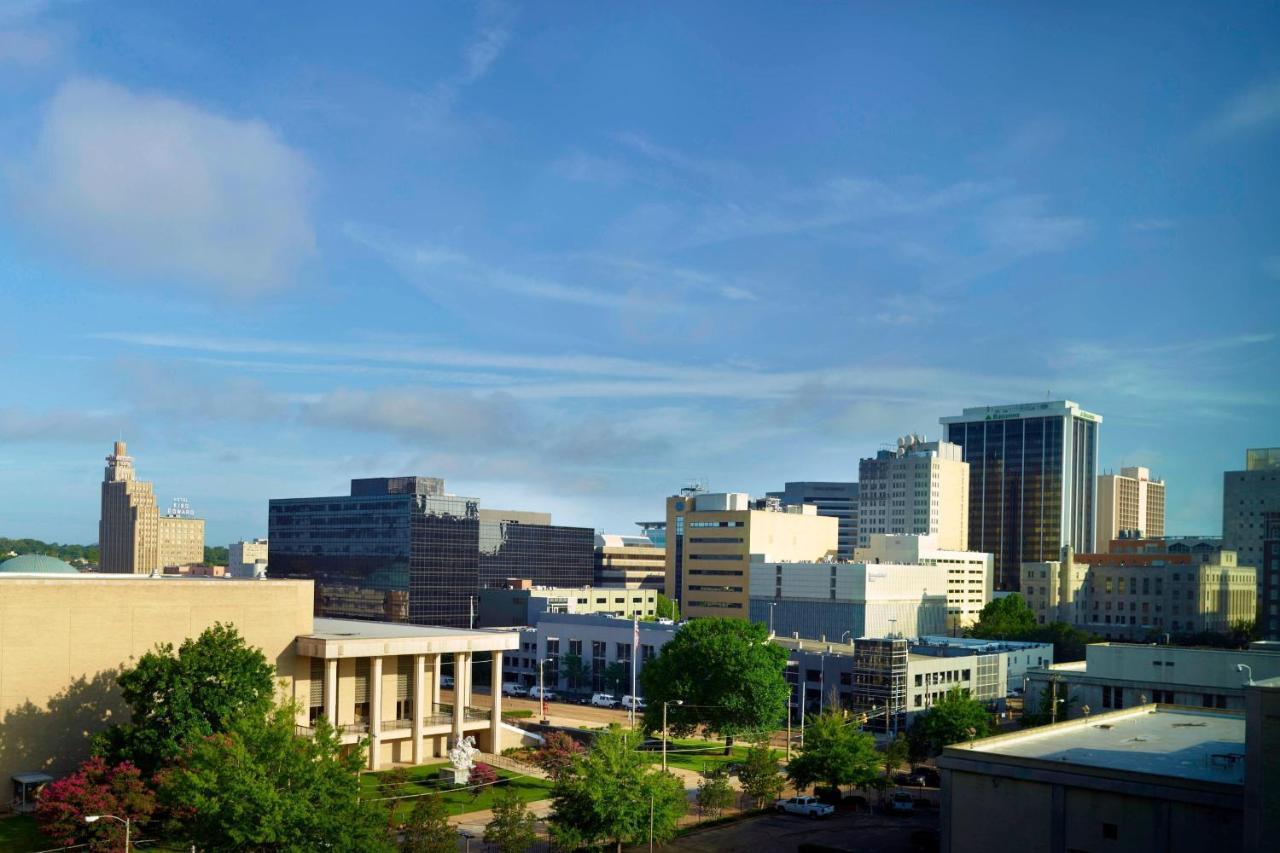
(697, 755)
(424, 780)
(20, 835)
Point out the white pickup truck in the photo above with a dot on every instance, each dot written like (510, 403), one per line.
(808, 806)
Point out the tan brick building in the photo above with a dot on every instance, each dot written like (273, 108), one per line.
(133, 537)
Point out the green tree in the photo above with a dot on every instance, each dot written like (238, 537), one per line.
(759, 774)
(1068, 641)
(1008, 617)
(174, 698)
(216, 555)
(714, 793)
(835, 753)
(606, 796)
(727, 675)
(954, 718)
(574, 670)
(895, 754)
(428, 829)
(615, 678)
(261, 787)
(667, 609)
(513, 828)
(557, 753)
(393, 783)
(1043, 715)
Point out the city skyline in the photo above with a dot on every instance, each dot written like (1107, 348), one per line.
(572, 259)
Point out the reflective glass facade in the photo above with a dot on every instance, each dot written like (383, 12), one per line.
(415, 557)
(1032, 474)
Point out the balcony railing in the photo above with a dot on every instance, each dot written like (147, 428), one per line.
(472, 715)
(396, 725)
(437, 719)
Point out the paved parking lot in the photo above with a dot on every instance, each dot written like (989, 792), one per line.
(774, 833)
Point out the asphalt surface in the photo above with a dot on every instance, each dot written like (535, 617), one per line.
(775, 833)
(559, 713)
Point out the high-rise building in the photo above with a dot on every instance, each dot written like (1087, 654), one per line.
(1246, 498)
(630, 562)
(1032, 473)
(838, 500)
(1269, 578)
(402, 550)
(713, 538)
(1131, 503)
(920, 487)
(133, 538)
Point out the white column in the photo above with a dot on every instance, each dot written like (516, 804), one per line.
(435, 680)
(375, 714)
(495, 716)
(459, 681)
(419, 709)
(331, 690)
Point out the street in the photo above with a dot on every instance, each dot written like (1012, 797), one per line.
(775, 833)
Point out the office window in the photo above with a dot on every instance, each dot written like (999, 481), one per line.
(404, 687)
(316, 708)
(362, 690)
(1106, 697)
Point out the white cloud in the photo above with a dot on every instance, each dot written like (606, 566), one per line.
(1250, 110)
(1023, 225)
(151, 187)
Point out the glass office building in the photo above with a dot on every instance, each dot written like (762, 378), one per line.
(1032, 475)
(399, 549)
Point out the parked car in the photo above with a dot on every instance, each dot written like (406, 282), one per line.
(446, 681)
(807, 806)
(932, 778)
(630, 702)
(541, 693)
(604, 700)
(901, 802)
(510, 689)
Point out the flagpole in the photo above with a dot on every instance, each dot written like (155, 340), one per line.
(635, 649)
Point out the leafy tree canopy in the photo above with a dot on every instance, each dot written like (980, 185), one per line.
(557, 753)
(952, 719)
(94, 789)
(759, 774)
(513, 828)
(667, 609)
(835, 753)
(605, 796)
(260, 787)
(1007, 617)
(726, 673)
(428, 829)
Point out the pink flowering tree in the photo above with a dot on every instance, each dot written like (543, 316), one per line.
(96, 788)
(481, 774)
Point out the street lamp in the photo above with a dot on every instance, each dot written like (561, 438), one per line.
(1244, 667)
(772, 604)
(845, 634)
(542, 692)
(94, 818)
(664, 729)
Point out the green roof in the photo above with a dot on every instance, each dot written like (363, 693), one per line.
(37, 564)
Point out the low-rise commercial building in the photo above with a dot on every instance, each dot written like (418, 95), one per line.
(713, 538)
(969, 573)
(1122, 675)
(834, 600)
(1155, 778)
(630, 562)
(1019, 656)
(247, 558)
(838, 500)
(577, 650)
(519, 603)
(64, 638)
(1142, 591)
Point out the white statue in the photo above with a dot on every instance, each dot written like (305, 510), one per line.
(463, 754)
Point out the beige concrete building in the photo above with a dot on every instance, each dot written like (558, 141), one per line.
(1150, 779)
(1129, 502)
(630, 562)
(181, 540)
(711, 540)
(247, 558)
(520, 603)
(129, 527)
(133, 537)
(1133, 596)
(918, 488)
(64, 638)
(968, 573)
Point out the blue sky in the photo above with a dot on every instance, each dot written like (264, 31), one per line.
(571, 256)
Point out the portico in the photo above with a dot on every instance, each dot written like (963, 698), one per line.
(373, 679)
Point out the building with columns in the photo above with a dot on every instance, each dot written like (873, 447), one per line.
(64, 638)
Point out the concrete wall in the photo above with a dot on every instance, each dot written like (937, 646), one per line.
(63, 641)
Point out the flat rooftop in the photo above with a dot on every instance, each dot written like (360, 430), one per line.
(1165, 740)
(356, 629)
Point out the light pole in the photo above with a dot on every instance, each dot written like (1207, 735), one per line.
(893, 630)
(845, 634)
(772, 604)
(542, 692)
(94, 818)
(664, 729)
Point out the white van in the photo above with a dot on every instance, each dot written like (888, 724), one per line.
(604, 700)
(511, 689)
(541, 693)
(630, 702)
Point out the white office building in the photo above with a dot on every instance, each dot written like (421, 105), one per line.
(968, 573)
(920, 487)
